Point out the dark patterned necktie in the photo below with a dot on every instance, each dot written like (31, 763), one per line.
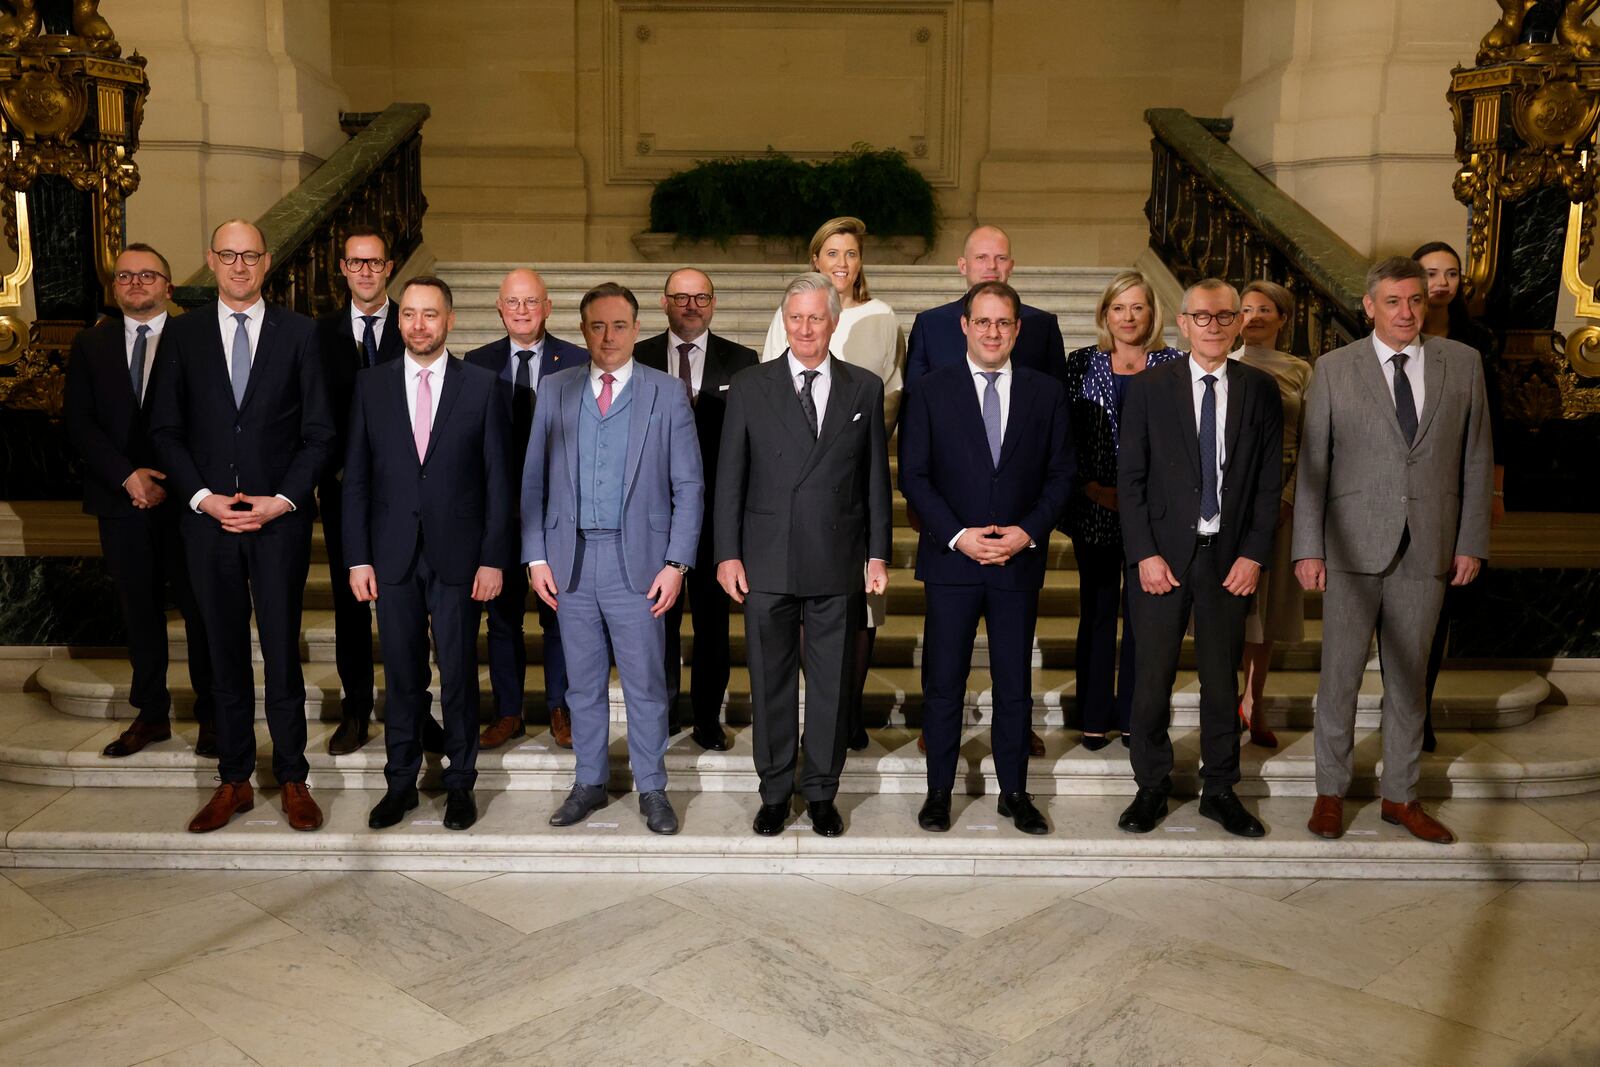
(1208, 450)
(1405, 401)
(991, 415)
(141, 345)
(369, 340)
(807, 403)
(685, 372)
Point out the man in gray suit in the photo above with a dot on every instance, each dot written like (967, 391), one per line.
(802, 507)
(1392, 502)
(612, 496)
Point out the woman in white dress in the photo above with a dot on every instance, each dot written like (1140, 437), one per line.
(868, 336)
(1279, 612)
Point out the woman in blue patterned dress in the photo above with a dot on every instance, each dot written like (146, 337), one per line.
(1129, 336)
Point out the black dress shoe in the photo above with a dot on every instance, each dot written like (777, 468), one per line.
(859, 739)
(432, 735)
(580, 804)
(712, 740)
(460, 810)
(1225, 808)
(825, 818)
(1125, 742)
(770, 819)
(205, 742)
(392, 808)
(1018, 807)
(935, 813)
(1095, 742)
(350, 735)
(1148, 808)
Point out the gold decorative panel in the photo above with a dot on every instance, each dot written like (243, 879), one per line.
(715, 78)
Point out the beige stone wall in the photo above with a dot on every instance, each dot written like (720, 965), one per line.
(243, 106)
(551, 118)
(1342, 104)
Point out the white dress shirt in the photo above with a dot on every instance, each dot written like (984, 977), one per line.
(435, 386)
(620, 378)
(228, 328)
(1002, 386)
(1196, 372)
(697, 358)
(130, 334)
(821, 385)
(1414, 364)
(358, 329)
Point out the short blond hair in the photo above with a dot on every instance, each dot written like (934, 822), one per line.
(1131, 279)
(847, 224)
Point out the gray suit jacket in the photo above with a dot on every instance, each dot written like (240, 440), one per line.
(663, 488)
(1361, 487)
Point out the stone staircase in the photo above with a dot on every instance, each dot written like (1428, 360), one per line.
(1504, 743)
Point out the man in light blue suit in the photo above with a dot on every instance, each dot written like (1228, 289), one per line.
(612, 494)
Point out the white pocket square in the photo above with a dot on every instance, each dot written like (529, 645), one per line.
(722, 388)
(857, 417)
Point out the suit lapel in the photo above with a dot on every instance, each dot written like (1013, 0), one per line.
(841, 403)
(391, 345)
(1182, 393)
(1432, 387)
(447, 400)
(1021, 403)
(1368, 370)
(969, 412)
(571, 409)
(784, 400)
(1238, 395)
(397, 397)
(262, 362)
(644, 400)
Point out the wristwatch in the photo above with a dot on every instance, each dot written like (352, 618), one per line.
(681, 568)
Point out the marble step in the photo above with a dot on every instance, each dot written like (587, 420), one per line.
(899, 642)
(144, 828)
(1557, 753)
(1463, 699)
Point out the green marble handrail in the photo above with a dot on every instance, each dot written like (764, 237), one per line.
(291, 223)
(1315, 251)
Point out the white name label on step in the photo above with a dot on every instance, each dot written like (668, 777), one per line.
(261, 822)
(601, 825)
(1362, 833)
(1180, 829)
(983, 826)
(427, 822)
(800, 826)
(541, 748)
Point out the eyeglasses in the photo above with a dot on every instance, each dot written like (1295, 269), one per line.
(228, 256)
(1003, 325)
(1203, 319)
(146, 277)
(358, 266)
(701, 300)
(511, 303)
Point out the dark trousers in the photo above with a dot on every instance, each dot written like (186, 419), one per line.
(407, 609)
(144, 555)
(1009, 616)
(708, 684)
(352, 619)
(508, 650)
(1105, 682)
(231, 574)
(772, 623)
(1160, 622)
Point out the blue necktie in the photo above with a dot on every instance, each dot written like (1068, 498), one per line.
(991, 415)
(369, 340)
(1208, 450)
(241, 358)
(136, 369)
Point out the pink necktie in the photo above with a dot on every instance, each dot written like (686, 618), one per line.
(605, 393)
(424, 418)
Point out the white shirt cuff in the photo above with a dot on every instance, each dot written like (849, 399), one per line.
(956, 538)
(194, 501)
(286, 500)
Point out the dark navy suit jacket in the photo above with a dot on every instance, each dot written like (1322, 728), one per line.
(937, 341)
(947, 475)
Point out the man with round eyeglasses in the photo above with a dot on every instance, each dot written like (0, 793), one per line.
(705, 363)
(110, 375)
(523, 358)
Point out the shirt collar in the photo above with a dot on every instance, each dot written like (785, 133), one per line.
(157, 324)
(796, 367)
(437, 366)
(537, 348)
(1196, 371)
(1385, 353)
(620, 376)
(256, 311)
(699, 343)
(972, 365)
(356, 314)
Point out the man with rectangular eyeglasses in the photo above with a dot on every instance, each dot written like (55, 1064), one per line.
(705, 363)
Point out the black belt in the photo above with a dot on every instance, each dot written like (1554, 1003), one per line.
(1205, 540)
(586, 534)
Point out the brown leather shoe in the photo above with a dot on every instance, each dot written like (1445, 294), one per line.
(230, 799)
(135, 737)
(922, 744)
(1420, 823)
(1035, 744)
(561, 726)
(503, 729)
(1327, 817)
(298, 807)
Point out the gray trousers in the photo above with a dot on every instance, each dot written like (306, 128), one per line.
(1406, 605)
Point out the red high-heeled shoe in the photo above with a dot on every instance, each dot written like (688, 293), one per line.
(1259, 735)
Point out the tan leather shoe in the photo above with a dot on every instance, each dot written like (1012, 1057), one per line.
(230, 799)
(922, 744)
(503, 729)
(1420, 823)
(561, 726)
(1035, 744)
(135, 737)
(1327, 817)
(298, 807)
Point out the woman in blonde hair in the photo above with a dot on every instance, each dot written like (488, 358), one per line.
(1129, 339)
(869, 336)
(1279, 613)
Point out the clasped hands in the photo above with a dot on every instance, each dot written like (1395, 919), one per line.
(992, 545)
(258, 511)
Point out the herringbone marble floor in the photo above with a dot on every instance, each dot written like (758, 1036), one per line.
(234, 967)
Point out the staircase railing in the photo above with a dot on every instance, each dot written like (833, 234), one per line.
(374, 179)
(1213, 215)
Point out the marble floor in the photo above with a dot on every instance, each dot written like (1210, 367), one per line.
(116, 967)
